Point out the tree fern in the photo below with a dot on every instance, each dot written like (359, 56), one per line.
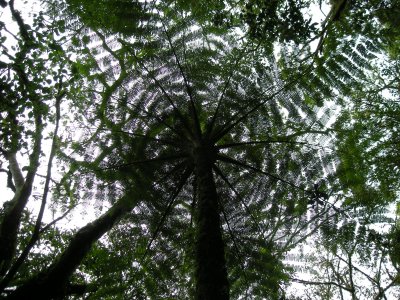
(185, 88)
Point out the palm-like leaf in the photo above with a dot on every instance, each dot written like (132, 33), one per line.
(184, 98)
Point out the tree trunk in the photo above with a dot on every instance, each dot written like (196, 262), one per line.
(13, 210)
(211, 275)
(53, 282)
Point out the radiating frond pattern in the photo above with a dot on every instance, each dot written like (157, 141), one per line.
(176, 86)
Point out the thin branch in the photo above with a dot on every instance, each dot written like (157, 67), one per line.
(231, 123)
(234, 241)
(221, 98)
(230, 160)
(173, 197)
(164, 92)
(382, 291)
(44, 176)
(169, 142)
(231, 145)
(6, 280)
(109, 50)
(358, 270)
(144, 161)
(178, 112)
(219, 172)
(10, 183)
(334, 14)
(320, 283)
(279, 139)
(151, 115)
(313, 220)
(50, 162)
(57, 219)
(229, 229)
(22, 27)
(10, 33)
(187, 86)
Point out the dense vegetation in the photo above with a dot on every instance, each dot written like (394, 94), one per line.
(229, 149)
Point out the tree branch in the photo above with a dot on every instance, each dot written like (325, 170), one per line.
(241, 117)
(320, 283)
(224, 178)
(227, 159)
(144, 161)
(15, 170)
(173, 197)
(197, 129)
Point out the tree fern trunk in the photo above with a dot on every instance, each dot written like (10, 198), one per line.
(211, 275)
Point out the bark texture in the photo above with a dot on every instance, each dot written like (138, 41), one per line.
(12, 214)
(15, 170)
(53, 282)
(211, 275)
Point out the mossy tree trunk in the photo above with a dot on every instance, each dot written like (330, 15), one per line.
(53, 282)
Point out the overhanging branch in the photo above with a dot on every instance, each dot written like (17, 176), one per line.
(144, 161)
(321, 283)
(197, 129)
(224, 178)
(167, 211)
(232, 123)
(231, 145)
(230, 160)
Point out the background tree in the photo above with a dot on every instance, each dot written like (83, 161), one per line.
(34, 80)
(28, 89)
(357, 260)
